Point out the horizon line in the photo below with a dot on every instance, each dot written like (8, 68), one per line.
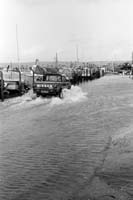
(24, 62)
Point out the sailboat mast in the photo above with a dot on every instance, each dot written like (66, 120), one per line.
(77, 56)
(56, 60)
(18, 59)
(132, 59)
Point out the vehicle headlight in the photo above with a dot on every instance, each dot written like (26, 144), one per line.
(38, 85)
(50, 86)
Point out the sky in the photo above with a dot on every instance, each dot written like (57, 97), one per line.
(101, 30)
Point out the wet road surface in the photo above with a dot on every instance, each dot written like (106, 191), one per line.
(54, 148)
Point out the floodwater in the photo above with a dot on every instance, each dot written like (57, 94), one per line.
(54, 149)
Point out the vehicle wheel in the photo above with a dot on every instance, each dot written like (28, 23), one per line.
(61, 96)
(6, 94)
(37, 94)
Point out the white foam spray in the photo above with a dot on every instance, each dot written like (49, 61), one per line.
(74, 95)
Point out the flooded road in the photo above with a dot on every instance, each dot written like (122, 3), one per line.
(54, 149)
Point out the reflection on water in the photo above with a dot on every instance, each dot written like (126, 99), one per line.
(56, 148)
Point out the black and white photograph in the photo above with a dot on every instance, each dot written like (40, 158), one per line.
(66, 99)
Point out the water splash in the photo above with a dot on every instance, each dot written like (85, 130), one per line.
(27, 100)
(74, 95)
(30, 99)
(26, 97)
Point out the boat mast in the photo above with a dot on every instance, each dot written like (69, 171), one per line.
(18, 58)
(77, 56)
(132, 59)
(56, 60)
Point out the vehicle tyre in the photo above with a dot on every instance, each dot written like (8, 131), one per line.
(6, 94)
(37, 94)
(61, 96)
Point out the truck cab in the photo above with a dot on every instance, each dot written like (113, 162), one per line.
(50, 84)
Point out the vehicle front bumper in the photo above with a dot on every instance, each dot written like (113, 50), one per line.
(43, 91)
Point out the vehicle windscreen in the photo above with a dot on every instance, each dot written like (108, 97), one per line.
(54, 78)
(39, 78)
